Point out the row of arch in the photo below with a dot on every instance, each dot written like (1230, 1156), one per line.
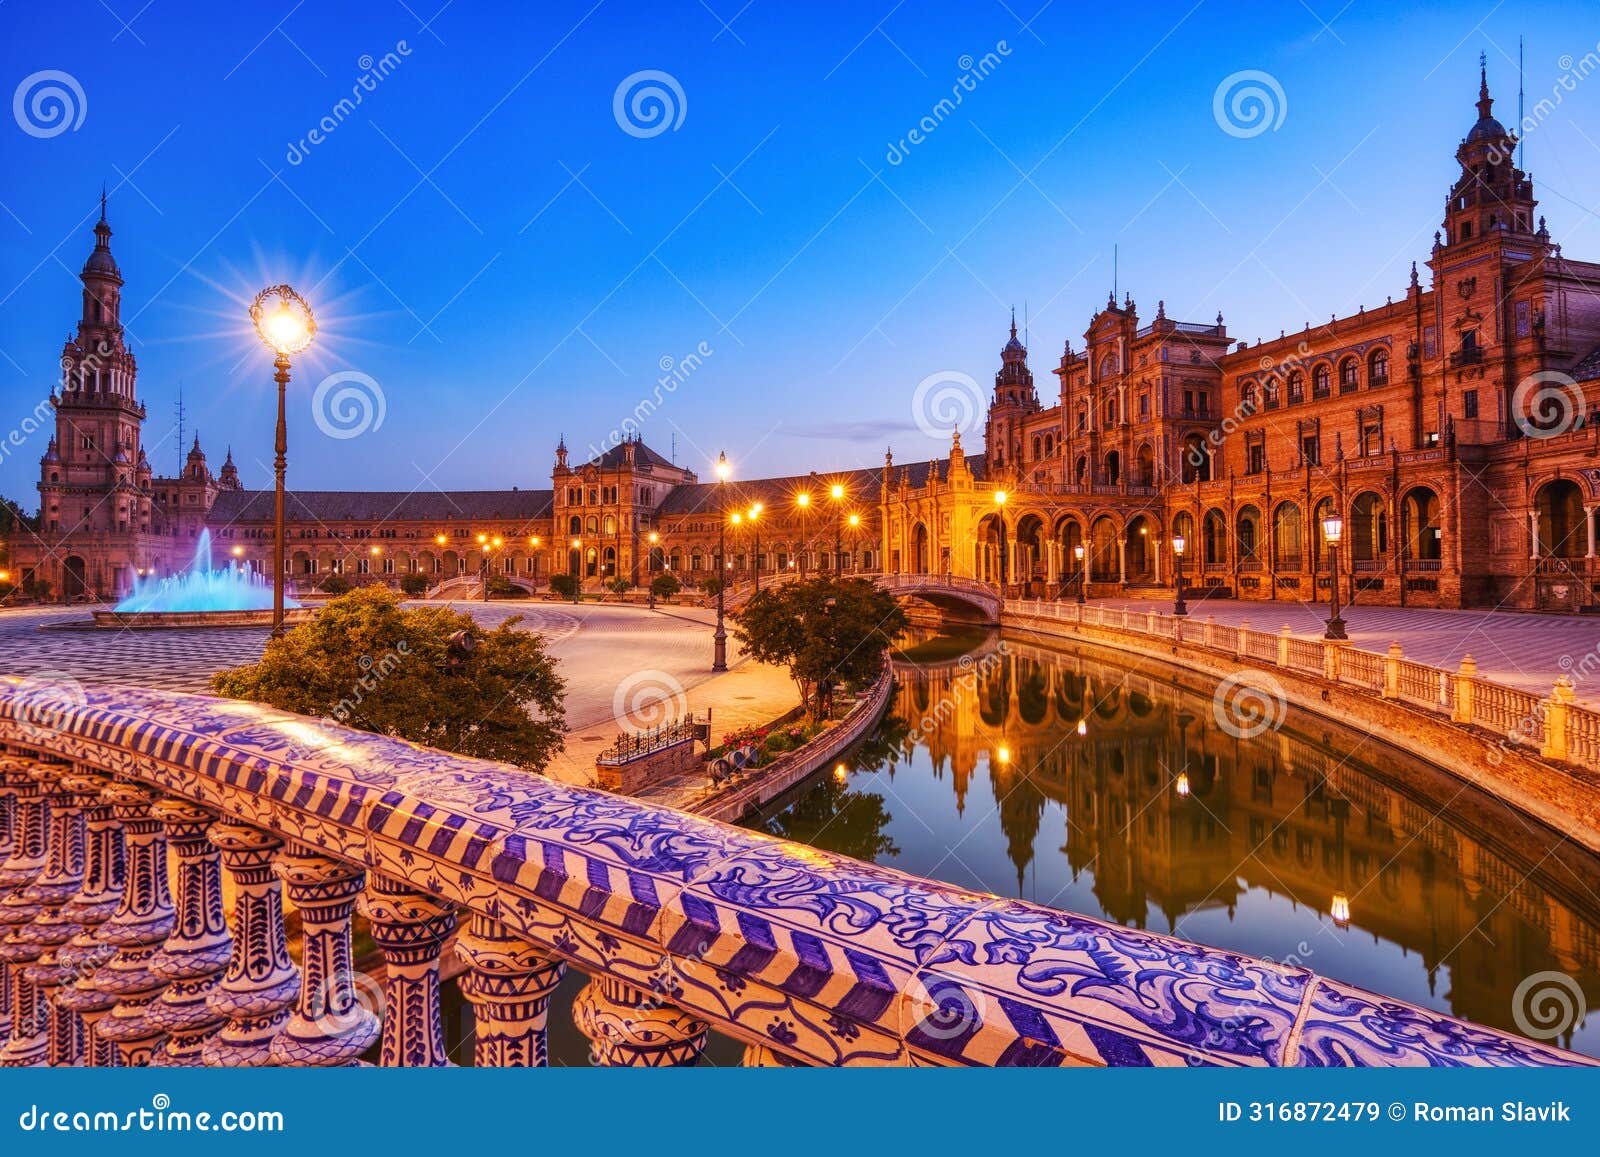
(1254, 394)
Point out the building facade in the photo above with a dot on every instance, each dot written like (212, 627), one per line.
(1448, 430)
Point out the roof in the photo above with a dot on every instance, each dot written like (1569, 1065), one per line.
(1588, 367)
(642, 456)
(382, 505)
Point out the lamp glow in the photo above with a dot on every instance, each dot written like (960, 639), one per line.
(1333, 529)
(1182, 784)
(722, 467)
(283, 320)
(1339, 909)
(1178, 544)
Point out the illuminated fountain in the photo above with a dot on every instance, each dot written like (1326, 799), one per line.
(233, 596)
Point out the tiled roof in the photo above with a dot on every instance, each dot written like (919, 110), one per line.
(381, 505)
(1588, 366)
(642, 455)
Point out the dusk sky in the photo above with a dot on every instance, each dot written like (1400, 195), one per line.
(506, 255)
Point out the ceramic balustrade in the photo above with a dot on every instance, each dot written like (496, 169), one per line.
(681, 925)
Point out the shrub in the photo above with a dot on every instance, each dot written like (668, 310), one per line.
(711, 586)
(501, 587)
(620, 585)
(414, 584)
(334, 584)
(565, 585)
(665, 585)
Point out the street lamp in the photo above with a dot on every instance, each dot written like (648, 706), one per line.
(575, 567)
(803, 501)
(1178, 543)
(719, 638)
(755, 513)
(650, 572)
(1077, 554)
(1332, 533)
(855, 524)
(1000, 497)
(283, 321)
(836, 492)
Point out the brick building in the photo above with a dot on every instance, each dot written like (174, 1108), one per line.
(1447, 428)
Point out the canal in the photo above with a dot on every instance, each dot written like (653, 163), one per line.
(1122, 789)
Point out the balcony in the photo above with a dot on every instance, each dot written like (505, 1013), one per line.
(1471, 356)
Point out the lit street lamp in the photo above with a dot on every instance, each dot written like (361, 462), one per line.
(1077, 554)
(1332, 533)
(837, 494)
(803, 501)
(719, 639)
(575, 567)
(1178, 605)
(283, 321)
(755, 511)
(1000, 497)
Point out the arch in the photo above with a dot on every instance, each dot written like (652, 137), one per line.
(1030, 548)
(1321, 380)
(1249, 398)
(1296, 387)
(989, 549)
(1378, 366)
(1214, 538)
(1069, 533)
(610, 526)
(1247, 533)
(1288, 542)
(1103, 554)
(74, 577)
(574, 525)
(1145, 466)
(1080, 470)
(1349, 374)
(1196, 460)
(1369, 527)
(919, 548)
(1113, 465)
(1421, 537)
(1323, 509)
(1559, 516)
(1141, 541)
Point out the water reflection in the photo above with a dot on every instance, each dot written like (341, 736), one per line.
(1113, 791)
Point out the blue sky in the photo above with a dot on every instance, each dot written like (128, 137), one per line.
(483, 240)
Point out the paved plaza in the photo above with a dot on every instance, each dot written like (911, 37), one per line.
(611, 656)
(1519, 649)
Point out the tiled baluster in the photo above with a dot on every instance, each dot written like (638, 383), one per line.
(636, 1029)
(332, 1025)
(197, 952)
(262, 981)
(508, 983)
(76, 1005)
(36, 947)
(410, 928)
(22, 868)
(137, 929)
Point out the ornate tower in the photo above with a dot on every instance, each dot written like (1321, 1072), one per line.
(1014, 400)
(1492, 196)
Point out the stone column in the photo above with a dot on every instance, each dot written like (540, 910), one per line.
(21, 868)
(509, 986)
(77, 1006)
(1533, 535)
(410, 928)
(142, 921)
(331, 1025)
(1588, 529)
(261, 982)
(1122, 560)
(636, 1029)
(199, 948)
(28, 1042)
(53, 927)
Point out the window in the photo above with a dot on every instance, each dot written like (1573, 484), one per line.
(1188, 401)
(1524, 319)
(1321, 380)
(1258, 458)
(1371, 439)
(1205, 404)
(1311, 450)
(1430, 342)
(1144, 405)
(1297, 387)
(1469, 404)
(1378, 368)
(1349, 376)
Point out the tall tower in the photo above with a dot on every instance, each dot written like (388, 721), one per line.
(1014, 400)
(87, 479)
(1492, 196)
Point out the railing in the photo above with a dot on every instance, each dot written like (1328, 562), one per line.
(630, 745)
(681, 924)
(1554, 726)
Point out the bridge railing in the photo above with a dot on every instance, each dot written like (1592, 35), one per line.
(1554, 725)
(680, 924)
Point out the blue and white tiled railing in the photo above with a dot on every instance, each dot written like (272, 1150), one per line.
(682, 924)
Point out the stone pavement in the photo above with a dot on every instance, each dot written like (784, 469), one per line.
(1517, 648)
(615, 658)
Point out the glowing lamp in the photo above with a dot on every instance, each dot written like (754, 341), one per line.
(1333, 529)
(723, 469)
(837, 491)
(802, 499)
(1077, 553)
(1178, 544)
(1000, 497)
(1339, 909)
(283, 320)
(1083, 727)
(1182, 785)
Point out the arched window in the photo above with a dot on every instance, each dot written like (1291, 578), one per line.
(1249, 398)
(1286, 541)
(1349, 375)
(1378, 367)
(1369, 528)
(1111, 411)
(1270, 393)
(1248, 533)
(1038, 446)
(574, 525)
(1214, 538)
(1297, 387)
(1321, 379)
(1108, 365)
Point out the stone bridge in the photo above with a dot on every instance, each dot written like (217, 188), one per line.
(962, 598)
(681, 925)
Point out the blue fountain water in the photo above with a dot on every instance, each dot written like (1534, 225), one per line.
(200, 588)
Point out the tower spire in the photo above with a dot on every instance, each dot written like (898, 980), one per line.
(1485, 101)
(102, 201)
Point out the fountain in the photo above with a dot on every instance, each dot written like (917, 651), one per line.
(202, 596)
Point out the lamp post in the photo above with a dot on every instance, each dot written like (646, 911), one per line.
(855, 525)
(1178, 605)
(837, 494)
(719, 638)
(650, 572)
(284, 322)
(1077, 554)
(489, 546)
(1332, 533)
(755, 526)
(803, 501)
(1000, 497)
(575, 568)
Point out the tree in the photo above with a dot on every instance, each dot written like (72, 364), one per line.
(334, 584)
(665, 585)
(564, 585)
(369, 663)
(414, 583)
(620, 585)
(710, 586)
(501, 587)
(827, 632)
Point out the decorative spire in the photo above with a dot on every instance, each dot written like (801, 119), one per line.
(1013, 323)
(1485, 101)
(102, 201)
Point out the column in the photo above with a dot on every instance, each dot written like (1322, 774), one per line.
(77, 1006)
(52, 928)
(635, 1029)
(332, 1024)
(410, 928)
(1588, 527)
(1533, 534)
(21, 868)
(1122, 560)
(509, 983)
(261, 982)
(1052, 565)
(28, 1042)
(199, 948)
(142, 920)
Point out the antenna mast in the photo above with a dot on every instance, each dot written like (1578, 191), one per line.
(1522, 145)
(180, 413)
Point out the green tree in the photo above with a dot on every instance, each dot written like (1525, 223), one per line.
(501, 587)
(826, 632)
(620, 585)
(369, 663)
(334, 584)
(564, 585)
(665, 585)
(414, 584)
(710, 586)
